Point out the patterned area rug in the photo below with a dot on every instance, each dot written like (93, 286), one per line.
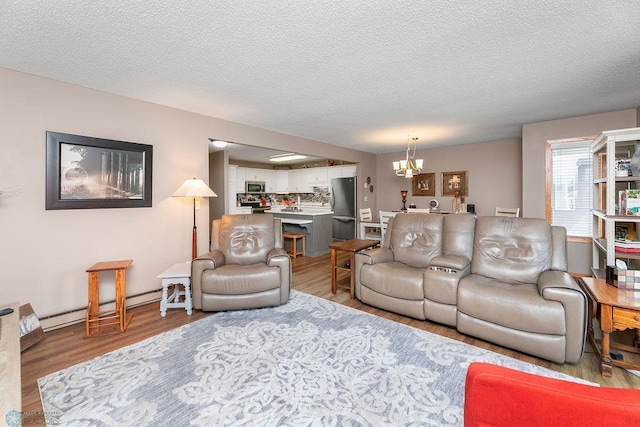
(308, 362)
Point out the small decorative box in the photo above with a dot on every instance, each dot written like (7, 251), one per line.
(626, 279)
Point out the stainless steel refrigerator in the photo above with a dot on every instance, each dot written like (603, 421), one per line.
(343, 205)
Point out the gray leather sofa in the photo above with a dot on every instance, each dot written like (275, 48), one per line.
(246, 268)
(499, 279)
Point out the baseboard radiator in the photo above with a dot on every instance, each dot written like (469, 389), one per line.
(71, 317)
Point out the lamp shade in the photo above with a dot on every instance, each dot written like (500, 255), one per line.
(194, 188)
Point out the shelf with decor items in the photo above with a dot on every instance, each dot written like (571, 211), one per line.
(616, 168)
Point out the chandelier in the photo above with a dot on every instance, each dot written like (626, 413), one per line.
(409, 165)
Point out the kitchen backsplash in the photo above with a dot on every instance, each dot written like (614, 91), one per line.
(320, 197)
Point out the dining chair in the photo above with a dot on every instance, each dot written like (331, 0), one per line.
(385, 216)
(507, 212)
(372, 233)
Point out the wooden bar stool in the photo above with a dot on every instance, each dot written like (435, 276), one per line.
(294, 245)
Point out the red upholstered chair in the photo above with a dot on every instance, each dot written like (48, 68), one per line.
(499, 396)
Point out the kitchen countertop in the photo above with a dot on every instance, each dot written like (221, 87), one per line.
(304, 211)
(296, 221)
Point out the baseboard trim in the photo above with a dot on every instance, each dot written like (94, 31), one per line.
(71, 317)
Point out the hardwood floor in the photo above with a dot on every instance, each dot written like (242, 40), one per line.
(67, 346)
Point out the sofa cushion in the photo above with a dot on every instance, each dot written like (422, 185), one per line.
(458, 234)
(512, 250)
(234, 279)
(393, 279)
(416, 238)
(515, 306)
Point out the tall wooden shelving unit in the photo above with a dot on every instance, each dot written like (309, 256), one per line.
(605, 149)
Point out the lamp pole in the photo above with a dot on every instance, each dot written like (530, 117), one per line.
(194, 188)
(194, 235)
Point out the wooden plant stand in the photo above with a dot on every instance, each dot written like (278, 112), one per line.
(97, 322)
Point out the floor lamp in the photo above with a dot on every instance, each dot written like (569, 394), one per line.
(194, 188)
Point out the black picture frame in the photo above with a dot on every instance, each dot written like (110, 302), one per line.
(93, 173)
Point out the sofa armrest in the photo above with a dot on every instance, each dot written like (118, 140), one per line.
(559, 286)
(499, 396)
(210, 261)
(277, 257)
(375, 256)
(455, 262)
(371, 257)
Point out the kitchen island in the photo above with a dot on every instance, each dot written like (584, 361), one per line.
(312, 222)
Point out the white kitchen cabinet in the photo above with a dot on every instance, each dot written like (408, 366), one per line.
(254, 174)
(294, 178)
(348, 170)
(344, 171)
(282, 181)
(241, 177)
(270, 181)
(316, 177)
(230, 201)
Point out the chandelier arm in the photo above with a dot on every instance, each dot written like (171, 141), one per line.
(409, 166)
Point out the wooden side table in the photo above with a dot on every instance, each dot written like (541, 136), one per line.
(97, 322)
(10, 380)
(616, 310)
(352, 246)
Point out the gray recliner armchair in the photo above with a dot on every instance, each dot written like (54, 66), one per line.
(246, 268)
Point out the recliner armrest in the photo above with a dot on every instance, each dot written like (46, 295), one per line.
(456, 262)
(210, 261)
(559, 286)
(278, 257)
(275, 252)
(556, 279)
(375, 256)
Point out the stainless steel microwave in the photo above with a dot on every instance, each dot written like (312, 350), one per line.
(255, 187)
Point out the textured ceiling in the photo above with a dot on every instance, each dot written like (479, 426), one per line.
(362, 74)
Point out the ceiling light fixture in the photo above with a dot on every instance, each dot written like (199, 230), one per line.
(218, 143)
(409, 165)
(286, 157)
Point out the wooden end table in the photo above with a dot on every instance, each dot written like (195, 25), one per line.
(95, 321)
(352, 246)
(616, 310)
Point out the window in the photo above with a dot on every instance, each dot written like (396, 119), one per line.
(570, 186)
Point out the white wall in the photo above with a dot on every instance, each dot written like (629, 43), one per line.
(45, 253)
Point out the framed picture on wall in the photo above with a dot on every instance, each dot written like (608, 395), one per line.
(89, 173)
(424, 184)
(455, 182)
